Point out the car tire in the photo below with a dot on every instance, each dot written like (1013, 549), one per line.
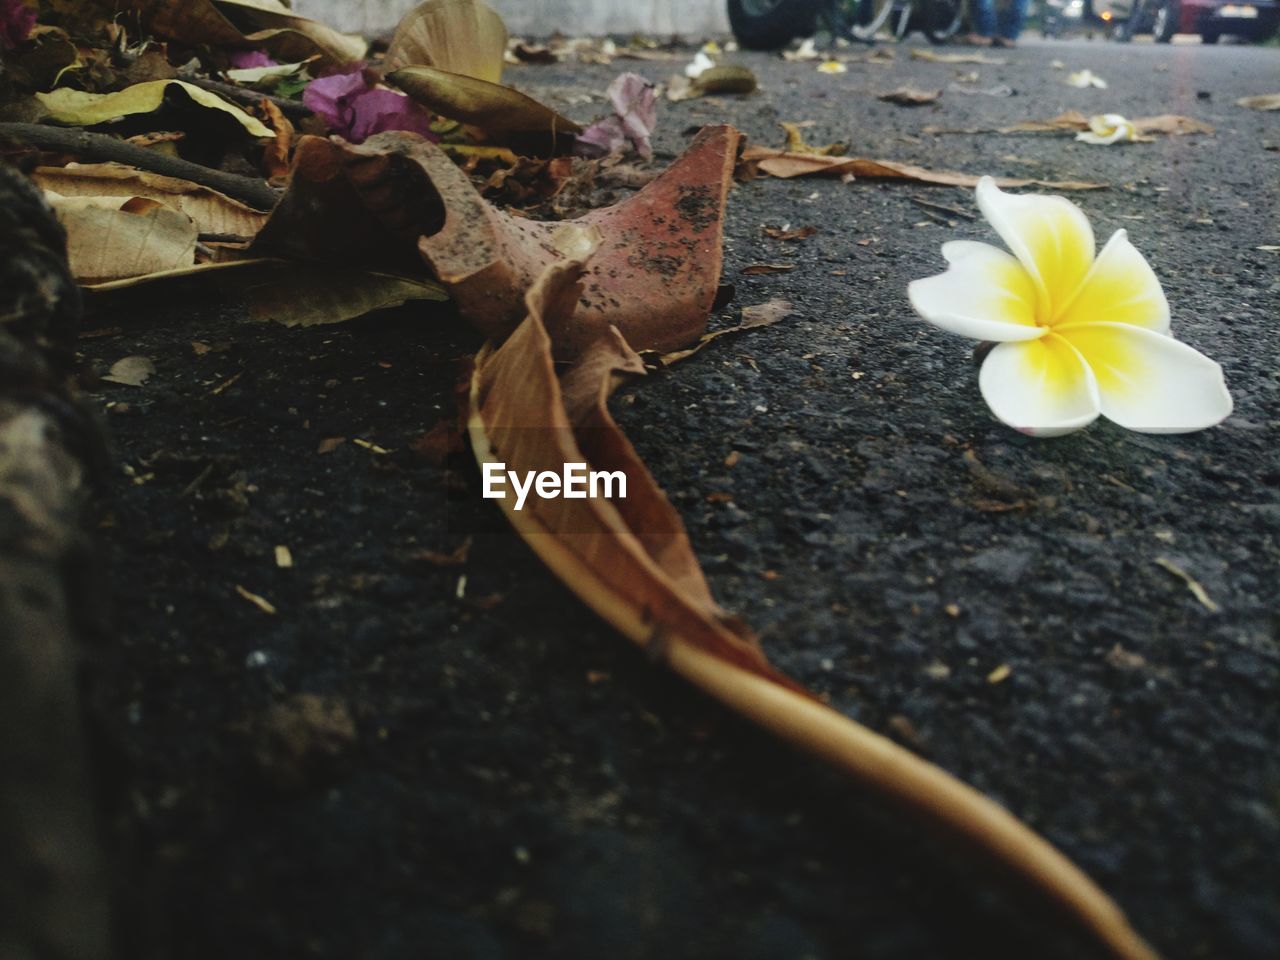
(1165, 23)
(1209, 37)
(772, 24)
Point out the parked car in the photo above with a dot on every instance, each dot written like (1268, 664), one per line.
(1252, 19)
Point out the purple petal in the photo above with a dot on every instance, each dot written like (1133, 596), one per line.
(635, 102)
(329, 98)
(601, 139)
(380, 109)
(248, 59)
(16, 21)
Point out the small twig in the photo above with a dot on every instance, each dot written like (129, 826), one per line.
(292, 109)
(100, 147)
(949, 211)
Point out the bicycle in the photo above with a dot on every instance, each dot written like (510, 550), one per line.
(772, 24)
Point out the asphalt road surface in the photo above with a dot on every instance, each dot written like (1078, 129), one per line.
(484, 771)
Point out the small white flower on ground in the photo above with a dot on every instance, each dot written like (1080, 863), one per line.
(1107, 128)
(701, 63)
(1086, 78)
(1077, 335)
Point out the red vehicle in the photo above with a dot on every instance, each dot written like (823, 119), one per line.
(1252, 19)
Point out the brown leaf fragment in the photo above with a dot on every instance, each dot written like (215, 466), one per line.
(1264, 101)
(1192, 583)
(439, 442)
(656, 272)
(778, 163)
(460, 36)
(800, 233)
(757, 269)
(330, 444)
(131, 371)
(910, 97)
(919, 53)
(455, 558)
(760, 315)
(262, 603)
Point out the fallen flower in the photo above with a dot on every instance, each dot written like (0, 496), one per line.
(808, 50)
(635, 105)
(16, 21)
(250, 59)
(701, 64)
(1077, 335)
(1086, 78)
(356, 107)
(1107, 128)
(832, 66)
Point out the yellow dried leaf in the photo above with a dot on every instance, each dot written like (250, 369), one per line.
(86, 109)
(113, 237)
(498, 111)
(213, 212)
(460, 36)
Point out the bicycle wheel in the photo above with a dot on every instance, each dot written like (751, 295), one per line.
(941, 19)
(880, 12)
(772, 24)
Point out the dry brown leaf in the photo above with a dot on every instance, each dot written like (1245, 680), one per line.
(910, 97)
(1264, 101)
(1173, 124)
(655, 276)
(460, 36)
(276, 153)
(765, 268)
(796, 142)
(501, 114)
(1073, 121)
(113, 237)
(761, 315)
(799, 233)
(629, 560)
(212, 212)
(778, 163)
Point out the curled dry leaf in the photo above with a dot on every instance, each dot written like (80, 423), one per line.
(113, 237)
(459, 36)
(87, 109)
(654, 276)
(628, 558)
(921, 53)
(1073, 121)
(500, 113)
(779, 163)
(212, 211)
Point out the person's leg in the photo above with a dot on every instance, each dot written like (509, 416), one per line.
(983, 14)
(1012, 18)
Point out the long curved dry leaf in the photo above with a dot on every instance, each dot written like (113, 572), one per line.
(460, 36)
(212, 211)
(631, 563)
(645, 581)
(310, 294)
(654, 277)
(86, 109)
(779, 163)
(501, 113)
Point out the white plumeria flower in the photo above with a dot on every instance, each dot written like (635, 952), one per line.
(1086, 78)
(1077, 335)
(1107, 128)
(701, 64)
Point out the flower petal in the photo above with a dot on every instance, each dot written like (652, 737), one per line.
(1150, 382)
(1120, 288)
(1050, 235)
(985, 294)
(1043, 387)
